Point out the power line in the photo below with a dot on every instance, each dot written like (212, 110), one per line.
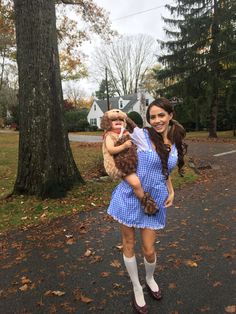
(140, 12)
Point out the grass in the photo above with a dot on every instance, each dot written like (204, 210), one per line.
(204, 134)
(97, 133)
(24, 211)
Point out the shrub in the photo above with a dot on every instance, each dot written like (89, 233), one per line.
(92, 128)
(135, 116)
(76, 120)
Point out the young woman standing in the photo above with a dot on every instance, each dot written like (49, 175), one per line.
(160, 147)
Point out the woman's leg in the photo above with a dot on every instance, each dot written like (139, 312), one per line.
(148, 237)
(128, 239)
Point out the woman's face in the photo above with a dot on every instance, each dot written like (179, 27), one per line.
(160, 119)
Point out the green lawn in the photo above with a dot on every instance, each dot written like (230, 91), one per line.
(24, 210)
(204, 134)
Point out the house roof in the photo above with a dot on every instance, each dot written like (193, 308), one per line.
(114, 102)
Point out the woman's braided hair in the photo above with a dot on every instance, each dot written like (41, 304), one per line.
(175, 134)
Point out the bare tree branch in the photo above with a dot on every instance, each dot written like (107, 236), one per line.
(127, 60)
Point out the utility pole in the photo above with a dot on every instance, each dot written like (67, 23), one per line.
(142, 100)
(108, 102)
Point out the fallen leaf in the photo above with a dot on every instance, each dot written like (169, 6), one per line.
(205, 309)
(88, 253)
(68, 236)
(172, 285)
(24, 287)
(230, 309)
(47, 293)
(25, 280)
(227, 255)
(62, 274)
(96, 259)
(116, 263)
(58, 293)
(85, 299)
(190, 263)
(121, 273)
(80, 297)
(105, 274)
(119, 246)
(70, 241)
(217, 284)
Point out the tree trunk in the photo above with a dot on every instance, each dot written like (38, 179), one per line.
(46, 167)
(3, 67)
(213, 116)
(215, 71)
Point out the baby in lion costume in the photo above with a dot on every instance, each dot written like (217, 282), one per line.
(120, 155)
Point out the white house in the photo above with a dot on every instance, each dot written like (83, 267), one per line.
(127, 103)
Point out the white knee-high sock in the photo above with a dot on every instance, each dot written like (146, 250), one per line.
(132, 269)
(150, 268)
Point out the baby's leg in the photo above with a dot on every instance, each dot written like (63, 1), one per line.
(135, 183)
(148, 203)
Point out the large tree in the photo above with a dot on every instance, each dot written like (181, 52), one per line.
(46, 166)
(199, 53)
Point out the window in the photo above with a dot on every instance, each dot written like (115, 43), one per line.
(147, 101)
(93, 121)
(95, 107)
(121, 104)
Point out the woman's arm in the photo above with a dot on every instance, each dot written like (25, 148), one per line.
(112, 149)
(171, 193)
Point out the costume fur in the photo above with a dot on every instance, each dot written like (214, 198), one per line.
(124, 163)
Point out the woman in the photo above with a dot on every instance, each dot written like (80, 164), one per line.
(159, 147)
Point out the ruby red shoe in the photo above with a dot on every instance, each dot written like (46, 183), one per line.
(140, 309)
(155, 294)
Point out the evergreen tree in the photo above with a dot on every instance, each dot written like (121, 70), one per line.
(200, 54)
(102, 92)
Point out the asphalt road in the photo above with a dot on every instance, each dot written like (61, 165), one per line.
(85, 138)
(74, 264)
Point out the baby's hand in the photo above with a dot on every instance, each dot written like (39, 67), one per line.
(128, 144)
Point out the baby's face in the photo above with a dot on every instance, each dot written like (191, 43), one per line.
(117, 123)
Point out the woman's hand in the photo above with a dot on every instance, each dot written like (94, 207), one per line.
(170, 199)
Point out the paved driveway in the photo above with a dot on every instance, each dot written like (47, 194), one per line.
(74, 264)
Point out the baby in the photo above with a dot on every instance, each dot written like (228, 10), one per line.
(120, 155)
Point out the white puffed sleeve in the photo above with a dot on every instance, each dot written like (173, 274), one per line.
(139, 139)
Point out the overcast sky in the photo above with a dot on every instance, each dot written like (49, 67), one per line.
(127, 17)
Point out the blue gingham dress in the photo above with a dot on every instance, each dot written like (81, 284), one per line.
(124, 205)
